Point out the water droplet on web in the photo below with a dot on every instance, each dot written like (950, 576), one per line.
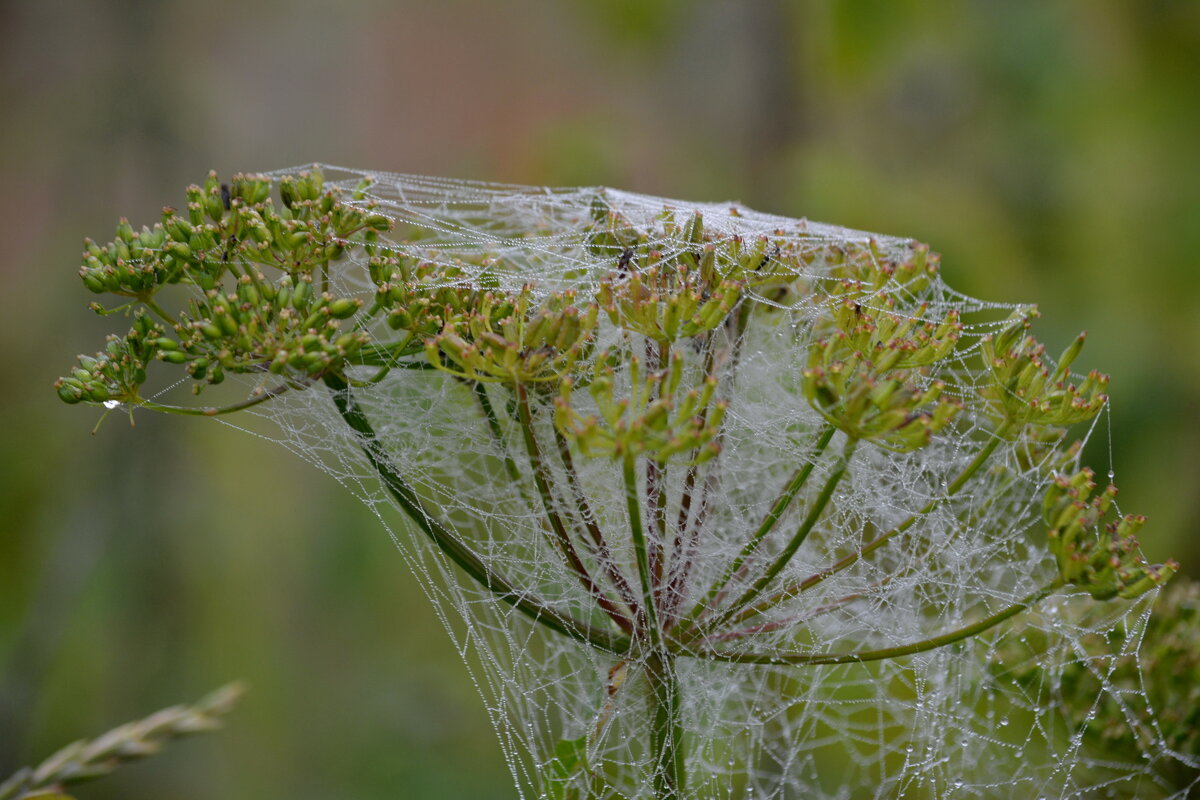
(908, 749)
(1003, 721)
(111, 404)
(958, 784)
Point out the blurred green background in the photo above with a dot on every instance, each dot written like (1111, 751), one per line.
(1047, 149)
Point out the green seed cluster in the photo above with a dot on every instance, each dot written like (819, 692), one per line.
(117, 371)
(891, 341)
(869, 268)
(656, 418)
(1102, 558)
(1024, 388)
(863, 377)
(511, 339)
(259, 274)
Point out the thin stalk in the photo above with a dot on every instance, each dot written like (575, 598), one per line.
(588, 517)
(887, 652)
(149, 303)
(497, 435)
(655, 535)
(561, 538)
(637, 533)
(690, 534)
(656, 478)
(666, 731)
(211, 411)
(879, 541)
(789, 550)
(798, 619)
(455, 549)
(658, 525)
(777, 510)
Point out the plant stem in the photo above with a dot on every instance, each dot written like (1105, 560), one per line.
(789, 550)
(666, 730)
(887, 652)
(561, 538)
(212, 411)
(768, 524)
(638, 536)
(497, 435)
(879, 541)
(455, 549)
(588, 517)
(690, 537)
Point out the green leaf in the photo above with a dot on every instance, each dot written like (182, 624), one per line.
(570, 761)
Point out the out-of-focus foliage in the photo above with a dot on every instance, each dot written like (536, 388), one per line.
(1170, 677)
(1046, 149)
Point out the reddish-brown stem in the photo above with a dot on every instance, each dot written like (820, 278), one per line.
(561, 538)
(588, 518)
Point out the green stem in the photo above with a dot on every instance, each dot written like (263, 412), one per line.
(149, 303)
(588, 517)
(455, 549)
(561, 539)
(879, 541)
(789, 550)
(638, 536)
(497, 435)
(666, 732)
(887, 652)
(213, 411)
(768, 524)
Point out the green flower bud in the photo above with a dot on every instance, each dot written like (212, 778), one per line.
(343, 308)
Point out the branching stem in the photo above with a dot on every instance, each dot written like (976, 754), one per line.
(879, 541)
(455, 549)
(561, 538)
(860, 656)
(781, 504)
(637, 533)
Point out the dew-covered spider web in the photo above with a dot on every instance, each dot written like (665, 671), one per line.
(904, 539)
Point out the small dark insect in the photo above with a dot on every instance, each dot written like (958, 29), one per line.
(767, 259)
(225, 200)
(624, 259)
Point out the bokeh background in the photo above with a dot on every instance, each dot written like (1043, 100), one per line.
(1047, 149)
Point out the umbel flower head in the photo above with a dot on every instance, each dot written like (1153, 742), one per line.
(699, 481)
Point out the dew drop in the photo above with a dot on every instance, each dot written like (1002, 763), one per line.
(1003, 721)
(111, 404)
(958, 784)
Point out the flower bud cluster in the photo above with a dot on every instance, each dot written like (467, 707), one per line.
(868, 267)
(284, 327)
(117, 371)
(892, 341)
(505, 338)
(1027, 388)
(669, 304)
(1102, 558)
(861, 378)
(656, 418)
(421, 297)
(240, 320)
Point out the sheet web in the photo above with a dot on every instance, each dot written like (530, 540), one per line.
(904, 540)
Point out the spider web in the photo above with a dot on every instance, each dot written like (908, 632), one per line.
(976, 718)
